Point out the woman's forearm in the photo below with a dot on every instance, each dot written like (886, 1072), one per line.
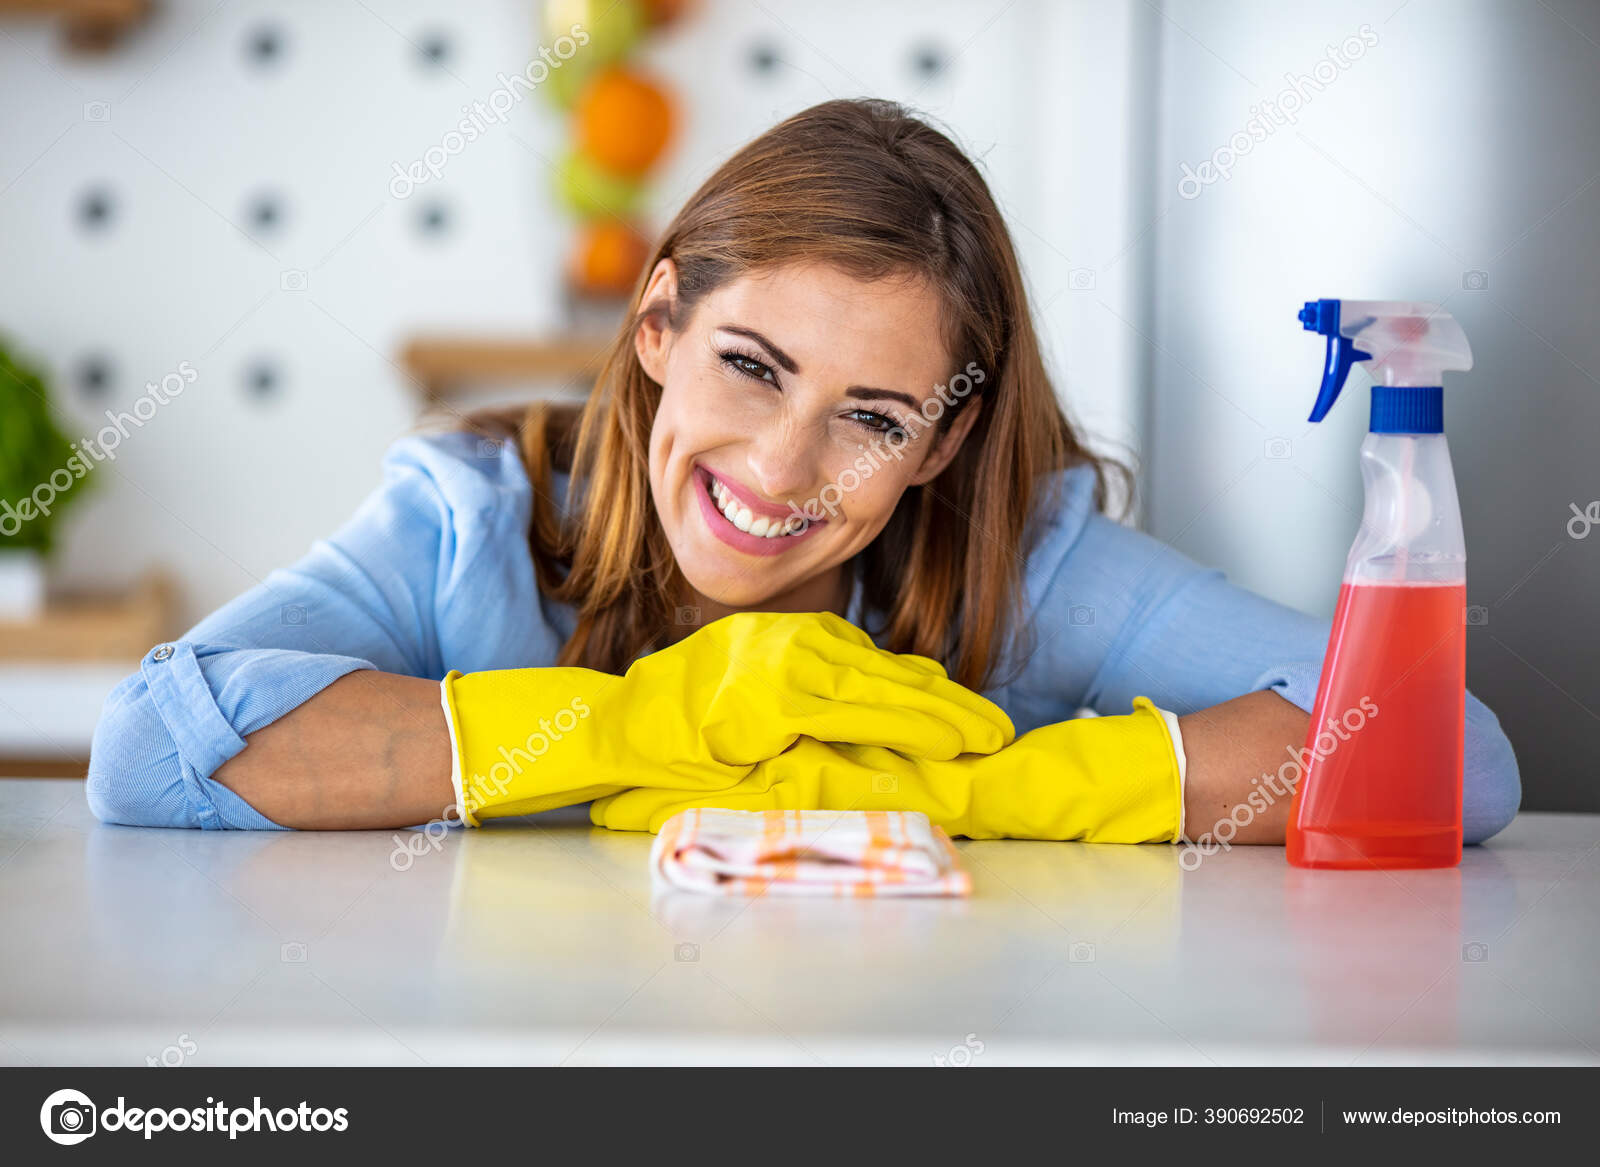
(370, 751)
(1234, 751)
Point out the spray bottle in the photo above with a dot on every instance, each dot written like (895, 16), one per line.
(1381, 780)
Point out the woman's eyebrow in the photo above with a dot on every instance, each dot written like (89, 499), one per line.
(863, 391)
(784, 359)
(789, 365)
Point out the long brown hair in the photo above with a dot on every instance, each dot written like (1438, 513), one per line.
(868, 188)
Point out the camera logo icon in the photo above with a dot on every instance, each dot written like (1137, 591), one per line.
(885, 784)
(1475, 953)
(686, 953)
(293, 280)
(1474, 281)
(68, 1117)
(1080, 615)
(1277, 449)
(1476, 614)
(96, 111)
(1081, 279)
(688, 614)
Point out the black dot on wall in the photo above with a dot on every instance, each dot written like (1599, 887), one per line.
(433, 220)
(263, 380)
(265, 46)
(929, 62)
(264, 213)
(94, 376)
(434, 50)
(97, 208)
(763, 59)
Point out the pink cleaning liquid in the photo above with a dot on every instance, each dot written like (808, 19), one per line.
(1381, 786)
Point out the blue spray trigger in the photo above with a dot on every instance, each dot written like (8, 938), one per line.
(1322, 316)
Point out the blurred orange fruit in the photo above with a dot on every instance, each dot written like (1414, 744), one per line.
(624, 121)
(607, 258)
(663, 12)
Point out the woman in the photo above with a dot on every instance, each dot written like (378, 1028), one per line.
(829, 417)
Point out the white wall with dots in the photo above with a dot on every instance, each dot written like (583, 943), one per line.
(217, 191)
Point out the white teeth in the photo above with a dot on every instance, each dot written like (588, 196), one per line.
(746, 520)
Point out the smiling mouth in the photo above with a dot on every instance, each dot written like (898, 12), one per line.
(745, 520)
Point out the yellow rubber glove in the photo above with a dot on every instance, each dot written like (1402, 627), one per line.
(1096, 779)
(698, 715)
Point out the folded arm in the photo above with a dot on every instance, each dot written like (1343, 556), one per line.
(303, 702)
(1240, 671)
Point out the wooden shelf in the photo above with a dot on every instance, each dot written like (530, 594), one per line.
(94, 628)
(90, 25)
(446, 366)
(55, 767)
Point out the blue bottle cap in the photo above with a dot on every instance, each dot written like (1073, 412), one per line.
(1407, 409)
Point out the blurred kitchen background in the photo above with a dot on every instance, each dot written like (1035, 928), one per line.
(238, 195)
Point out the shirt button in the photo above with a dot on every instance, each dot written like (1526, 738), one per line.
(162, 653)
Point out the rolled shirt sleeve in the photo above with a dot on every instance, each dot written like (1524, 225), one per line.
(368, 597)
(188, 709)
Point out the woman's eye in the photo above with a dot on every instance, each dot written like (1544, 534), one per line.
(749, 366)
(873, 421)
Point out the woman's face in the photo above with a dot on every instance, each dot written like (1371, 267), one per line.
(794, 412)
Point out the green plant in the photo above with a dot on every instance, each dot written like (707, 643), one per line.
(40, 472)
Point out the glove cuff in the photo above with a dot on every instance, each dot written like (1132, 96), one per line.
(516, 749)
(1178, 760)
(455, 749)
(1183, 767)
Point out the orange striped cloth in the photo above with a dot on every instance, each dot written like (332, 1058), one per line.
(807, 852)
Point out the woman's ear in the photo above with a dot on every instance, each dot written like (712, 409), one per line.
(653, 339)
(939, 457)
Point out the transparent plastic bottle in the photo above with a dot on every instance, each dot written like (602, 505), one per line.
(1382, 764)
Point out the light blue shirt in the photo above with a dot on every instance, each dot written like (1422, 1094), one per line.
(433, 573)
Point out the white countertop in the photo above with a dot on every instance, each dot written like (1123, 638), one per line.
(538, 941)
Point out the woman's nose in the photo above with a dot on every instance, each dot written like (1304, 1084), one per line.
(782, 460)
